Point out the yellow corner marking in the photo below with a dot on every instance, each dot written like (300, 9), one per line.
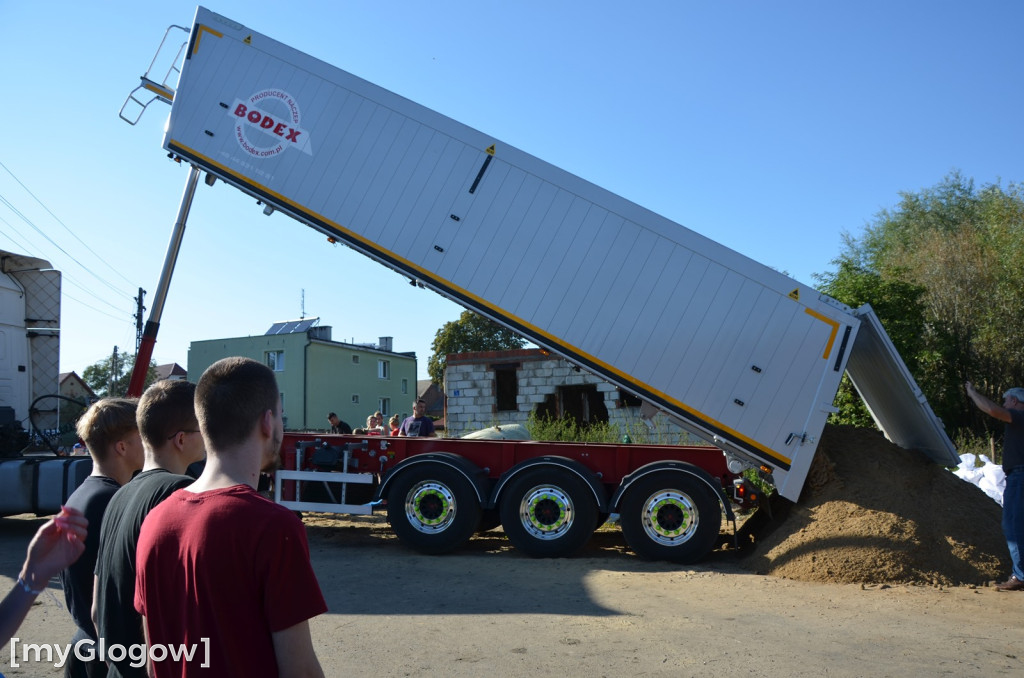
(469, 295)
(795, 294)
(490, 149)
(159, 91)
(832, 336)
(247, 40)
(199, 36)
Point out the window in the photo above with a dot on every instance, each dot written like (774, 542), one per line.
(384, 405)
(355, 359)
(627, 399)
(355, 398)
(584, 404)
(506, 387)
(405, 386)
(275, 360)
(383, 369)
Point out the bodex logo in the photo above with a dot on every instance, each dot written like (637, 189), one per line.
(267, 123)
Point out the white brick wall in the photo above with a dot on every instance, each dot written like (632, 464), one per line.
(471, 399)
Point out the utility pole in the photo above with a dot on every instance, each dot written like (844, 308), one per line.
(115, 373)
(139, 308)
(302, 305)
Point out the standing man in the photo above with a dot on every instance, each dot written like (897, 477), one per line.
(418, 424)
(220, 568)
(112, 438)
(1012, 413)
(171, 440)
(337, 425)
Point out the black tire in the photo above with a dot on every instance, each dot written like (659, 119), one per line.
(670, 516)
(548, 512)
(432, 508)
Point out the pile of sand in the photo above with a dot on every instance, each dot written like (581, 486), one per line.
(874, 513)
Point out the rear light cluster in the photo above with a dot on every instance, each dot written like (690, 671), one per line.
(744, 493)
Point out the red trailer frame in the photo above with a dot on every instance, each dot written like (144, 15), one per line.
(548, 496)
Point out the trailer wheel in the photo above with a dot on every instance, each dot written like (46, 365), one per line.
(670, 516)
(548, 513)
(433, 509)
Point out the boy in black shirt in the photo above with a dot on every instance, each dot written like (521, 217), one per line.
(112, 438)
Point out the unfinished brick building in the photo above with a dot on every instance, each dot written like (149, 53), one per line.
(488, 388)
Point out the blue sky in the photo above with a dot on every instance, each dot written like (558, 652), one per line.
(771, 127)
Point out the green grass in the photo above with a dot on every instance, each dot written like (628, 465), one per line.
(636, 431)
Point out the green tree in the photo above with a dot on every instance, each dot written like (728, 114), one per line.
(942, 268)
(111, 376)
(471, 332)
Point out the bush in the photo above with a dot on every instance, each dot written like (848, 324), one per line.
(567, 430)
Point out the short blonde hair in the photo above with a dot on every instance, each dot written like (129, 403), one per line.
(105, 423)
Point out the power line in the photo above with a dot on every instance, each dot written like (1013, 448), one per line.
(63, 292)
(65, 276)
(24, 247)
(58, 220)
(38, 230)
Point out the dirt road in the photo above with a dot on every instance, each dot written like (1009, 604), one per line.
(488, 611)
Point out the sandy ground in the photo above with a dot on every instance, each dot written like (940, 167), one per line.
(489, 611)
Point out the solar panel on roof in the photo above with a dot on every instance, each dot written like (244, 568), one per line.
(292, 326)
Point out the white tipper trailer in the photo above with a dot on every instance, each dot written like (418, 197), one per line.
(736, 352)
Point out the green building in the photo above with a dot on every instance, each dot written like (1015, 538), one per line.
(317, 375)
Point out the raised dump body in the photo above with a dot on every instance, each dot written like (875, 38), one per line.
(742, 355)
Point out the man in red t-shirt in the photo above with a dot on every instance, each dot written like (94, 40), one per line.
(223, 573)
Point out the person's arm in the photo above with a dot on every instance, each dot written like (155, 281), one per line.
(293, 648)
(150, 669)
(57, 544)
(92, 609)
(987, 406)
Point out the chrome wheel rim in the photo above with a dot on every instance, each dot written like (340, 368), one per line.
(546, 512)
(430, 507)
(670, 517)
